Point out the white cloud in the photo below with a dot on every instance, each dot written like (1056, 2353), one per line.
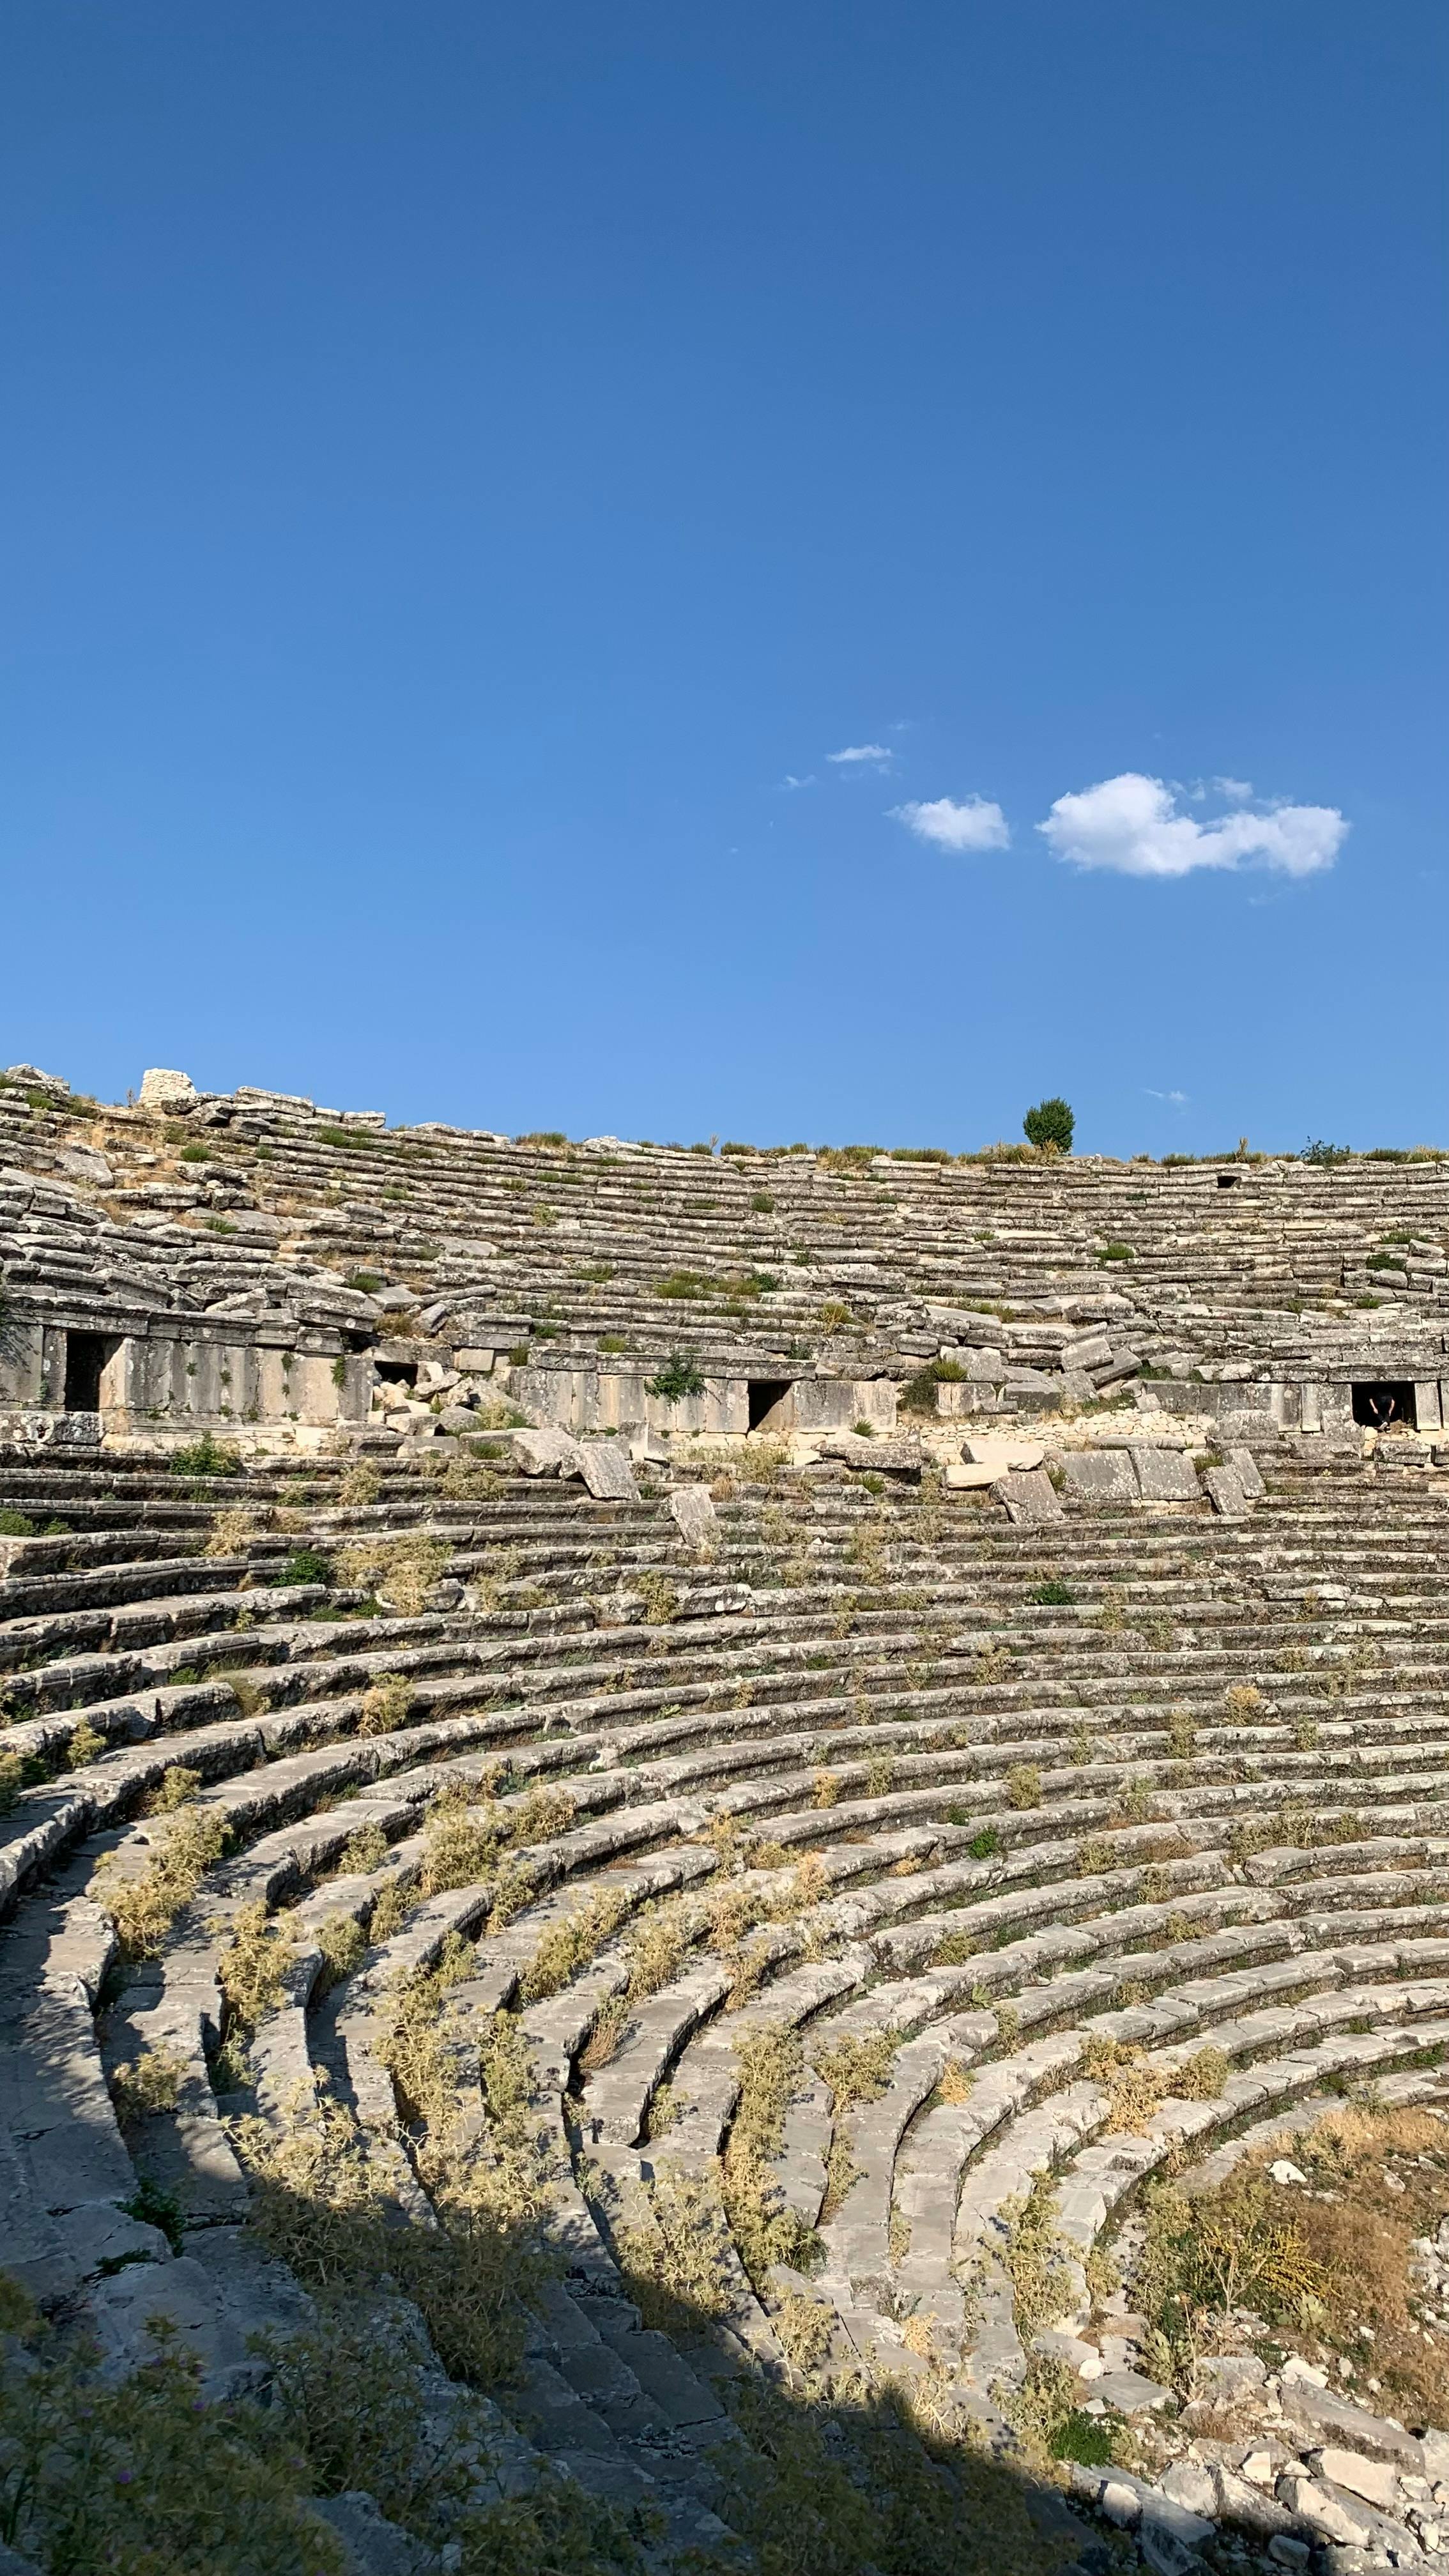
(856, 752)
(1236, 790)
(1132, 824)
(974, 825)
(1178, 1099)
(789, 782)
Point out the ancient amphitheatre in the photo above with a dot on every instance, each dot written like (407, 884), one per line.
(681, 1826)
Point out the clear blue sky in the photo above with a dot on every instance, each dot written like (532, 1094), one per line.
(461, 462)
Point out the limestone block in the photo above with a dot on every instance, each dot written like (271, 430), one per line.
(984, 1365)
(1122, 1362)
(1353, 2426)
(1321, 2511)
(1245, 1468)
(1077, 1387)
(1225, 1492)
(1099, 1475)
(607, 1471)
(1163, 1475)
(961, 1479)
(1375, 2480)
(1087, 1351)
(457, 1418)
(474, 1361)
(1000, 1453)
(545, 1453)
(1028, 1496)
(162, 1089)
(691, 1508)
(83, 1163)
(1310, 1408)
(901, 1457)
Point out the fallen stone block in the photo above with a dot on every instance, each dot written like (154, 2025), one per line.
(545, 1453)
(983, 1364)
(1028, 1497)
(1122, 1363)
(83, 1163)
(887, 1457)
(691, 1508)
(1224, 1488)
(998, 1451)
(1131, 2392)
(1099, 1475)
(1354, 2427)
(607, 1471)
(1245, 1467)
(374, 2546)
(457, 1418)
(1089, 1351)
(1376, 2481)
(1163, 1475)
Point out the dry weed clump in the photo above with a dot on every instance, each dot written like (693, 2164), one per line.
(149, 2083)
(364, 1850)
(232, 1531)
(385, 1704)
(402, 1572)
(253, 1970)
(143, 1906)
(766, 2230)
(570, 1944)
(1133, 2089)
(323, 2204)
(361, 1485)
(463, 1842)
(1378, 2177)
(675, 2252)
(1036, 2256)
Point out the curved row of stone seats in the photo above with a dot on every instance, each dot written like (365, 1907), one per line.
(851, 1897)
(486, 1220)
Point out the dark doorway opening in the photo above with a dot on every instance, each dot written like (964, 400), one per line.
(86, 1355)
(765, 1394)
(1377, 1402)
(397, 1373)
(1229, 1180)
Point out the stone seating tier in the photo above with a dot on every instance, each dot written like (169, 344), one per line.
(886, 1768)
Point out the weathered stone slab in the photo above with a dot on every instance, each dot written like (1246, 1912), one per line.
(1351, 2426)
(83, 1163)
(691, 1508)
(458, 1418)
(1099, 1475)
(1028, 1496)
(900, 1457)
(546, 1453)
(1376, 2481)
(998, 1451)
(606, 1470)
(1224, 1487)
(1245, 1468)
(1163, 1475)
